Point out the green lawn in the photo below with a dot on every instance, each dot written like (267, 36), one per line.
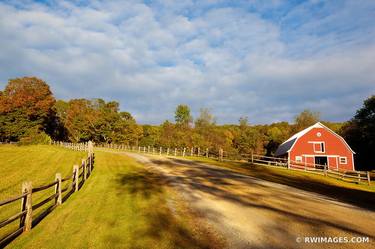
(122, 205)
(37, 164)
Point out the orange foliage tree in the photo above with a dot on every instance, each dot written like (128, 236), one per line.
(25, 107)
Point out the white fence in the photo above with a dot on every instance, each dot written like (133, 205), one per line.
(221, 155)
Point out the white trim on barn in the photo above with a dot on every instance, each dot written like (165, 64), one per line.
(353, 162)
(343, 160)
(296, 136)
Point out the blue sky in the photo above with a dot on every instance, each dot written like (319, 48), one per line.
(267, 60)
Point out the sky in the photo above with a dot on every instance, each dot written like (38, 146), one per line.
(266, 60)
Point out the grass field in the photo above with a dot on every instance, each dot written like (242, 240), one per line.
(37, 164)
(122, 205)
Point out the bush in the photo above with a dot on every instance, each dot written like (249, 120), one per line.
(35, 137)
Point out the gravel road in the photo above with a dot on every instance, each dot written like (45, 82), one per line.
(254, 213)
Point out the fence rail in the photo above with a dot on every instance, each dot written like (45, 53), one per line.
(221, 155)
(25, 216)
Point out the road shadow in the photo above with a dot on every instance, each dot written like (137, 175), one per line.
(162, 220)
(221, 183)
(359, 198)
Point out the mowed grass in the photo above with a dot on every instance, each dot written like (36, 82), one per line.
(361, 194)
(121, 205)
(37, 164)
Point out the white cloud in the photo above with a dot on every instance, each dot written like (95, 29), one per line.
(153, 57)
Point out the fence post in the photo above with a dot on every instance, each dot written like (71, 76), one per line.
(183, 153)
(207, 152)
(89, 165)
(220, 154)
(160, 151)
(175, 151)
(252, 157)
(368, 178)
(84, 169)
(359, 177)
(58, 199)
(192, 151)
(325, 169)
(75, 177)
(199, 151)
(27, 206)
(90, 147)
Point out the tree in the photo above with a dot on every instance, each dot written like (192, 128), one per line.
(205, 119)
(79, 120)
(250, 140)
(182, 115)
(151, 136)
(359, 132)
(305, 119)
(167, 131)
(26, 104)
(243, 122)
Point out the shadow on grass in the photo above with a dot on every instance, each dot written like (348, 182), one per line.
(162, 223)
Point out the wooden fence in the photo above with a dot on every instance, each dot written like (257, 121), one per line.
(184, 152)
(221, 155)
(73, 146)
(58, 195)
(345, 175)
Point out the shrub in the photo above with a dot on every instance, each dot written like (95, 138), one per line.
(35, 136)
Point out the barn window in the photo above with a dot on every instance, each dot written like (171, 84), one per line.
(319, 147)
(343, 160)
(298, 159)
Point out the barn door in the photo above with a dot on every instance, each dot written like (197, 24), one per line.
(320, 161)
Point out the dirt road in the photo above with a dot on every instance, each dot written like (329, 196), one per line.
(254, 213)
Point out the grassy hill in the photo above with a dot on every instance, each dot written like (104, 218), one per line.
(122, 205)
(37, 164)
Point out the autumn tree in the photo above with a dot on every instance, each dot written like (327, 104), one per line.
(151, 136)
(243, 122)
(26, 108)
(305, 119)
(167, 134)
(205, 119)
(79, 119)
(98, 121)
(249, 139)
(182, 115)
(130, 131)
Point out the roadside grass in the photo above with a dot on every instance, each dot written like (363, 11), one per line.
(37, 163)
(361, 195)
(122, 205)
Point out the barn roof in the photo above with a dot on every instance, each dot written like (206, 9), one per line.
(288, 144)
(285, 147)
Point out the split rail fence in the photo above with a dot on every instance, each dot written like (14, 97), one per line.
(221, 155)
(72, 183)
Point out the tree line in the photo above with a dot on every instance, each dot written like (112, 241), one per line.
(29, 113)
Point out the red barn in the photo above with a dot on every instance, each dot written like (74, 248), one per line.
(315, 146)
